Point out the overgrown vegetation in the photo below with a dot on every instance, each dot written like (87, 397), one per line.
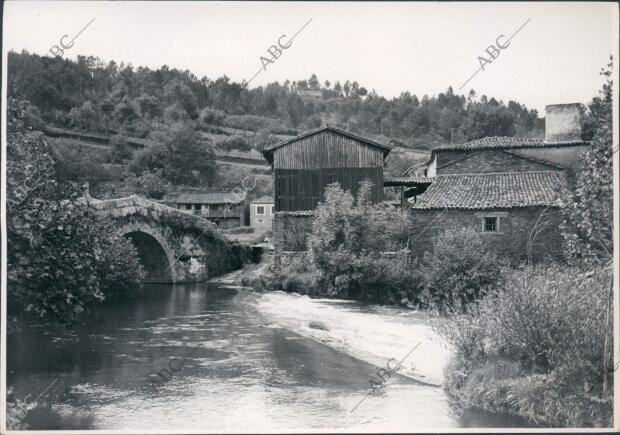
(61, 258)
(356, 250)
(537, 346)
(460, 270)
(539, 343)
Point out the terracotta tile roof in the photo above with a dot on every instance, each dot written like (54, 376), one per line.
(407, 181)
(207, 198)
(494, 190)
(504, 142)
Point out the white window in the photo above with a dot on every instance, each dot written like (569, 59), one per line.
(271, 210)
(260, 209)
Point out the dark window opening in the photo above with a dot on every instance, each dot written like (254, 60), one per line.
(490, 224)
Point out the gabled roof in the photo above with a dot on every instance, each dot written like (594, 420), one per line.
(493, 190)
(268, 151)
(207, 198)
(504, 142)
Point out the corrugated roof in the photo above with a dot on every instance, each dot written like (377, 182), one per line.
(208, 198)
(268, 151)
(494, 190)
(504, 142)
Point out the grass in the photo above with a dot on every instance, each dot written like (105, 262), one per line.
(537, 347)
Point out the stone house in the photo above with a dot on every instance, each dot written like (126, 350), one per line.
(503, 187)
(261, 213)
(222, 208)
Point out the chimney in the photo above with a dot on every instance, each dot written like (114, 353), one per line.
(562, 122)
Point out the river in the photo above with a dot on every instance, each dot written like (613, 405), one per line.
(241, 363)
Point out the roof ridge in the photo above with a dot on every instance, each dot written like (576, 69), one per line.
(497, 173)
(507, 142)
(307, 133)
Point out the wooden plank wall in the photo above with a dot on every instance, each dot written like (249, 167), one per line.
(303, 168)
(327, 149)
(303, 189)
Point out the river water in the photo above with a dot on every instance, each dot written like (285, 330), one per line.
(234, 362)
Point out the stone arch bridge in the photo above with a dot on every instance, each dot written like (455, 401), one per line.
(174, 246)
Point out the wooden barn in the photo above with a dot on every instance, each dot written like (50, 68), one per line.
(306, 164)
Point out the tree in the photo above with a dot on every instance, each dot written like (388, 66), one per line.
(588, 213)
(347, 238)
(234, 143)
(262, 139)
(179, 153)
(338, 88)
(177, 92)
(346, 88)
(209, 116)
(125, 111)
(313, 82)
(62, 256)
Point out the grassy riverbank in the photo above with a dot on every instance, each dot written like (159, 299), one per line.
(538, 347)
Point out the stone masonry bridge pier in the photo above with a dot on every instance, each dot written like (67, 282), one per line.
(174, 246)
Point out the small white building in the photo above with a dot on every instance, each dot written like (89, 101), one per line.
(261, 213)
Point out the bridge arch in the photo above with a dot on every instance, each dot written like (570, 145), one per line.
(155, 254)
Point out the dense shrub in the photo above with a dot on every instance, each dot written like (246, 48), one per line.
(61, 257)
(539, 345)
(346, 249)
(459, 269)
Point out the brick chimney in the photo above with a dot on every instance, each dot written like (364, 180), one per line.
(562, 122)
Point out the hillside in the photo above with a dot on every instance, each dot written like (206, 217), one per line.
(167, 129)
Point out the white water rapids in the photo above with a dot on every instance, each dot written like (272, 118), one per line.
(372, 334)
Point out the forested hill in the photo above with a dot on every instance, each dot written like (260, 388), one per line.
(91, 95)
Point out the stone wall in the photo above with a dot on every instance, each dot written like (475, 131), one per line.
(491, 161)
(515, 228)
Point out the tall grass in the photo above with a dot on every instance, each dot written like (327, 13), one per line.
(538, 346)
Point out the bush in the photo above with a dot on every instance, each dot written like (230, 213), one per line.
(459, 270)
(347, 246)
(538, 346)
(120, 150)
(150, 184)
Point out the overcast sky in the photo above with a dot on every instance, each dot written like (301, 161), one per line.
(391, 47)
